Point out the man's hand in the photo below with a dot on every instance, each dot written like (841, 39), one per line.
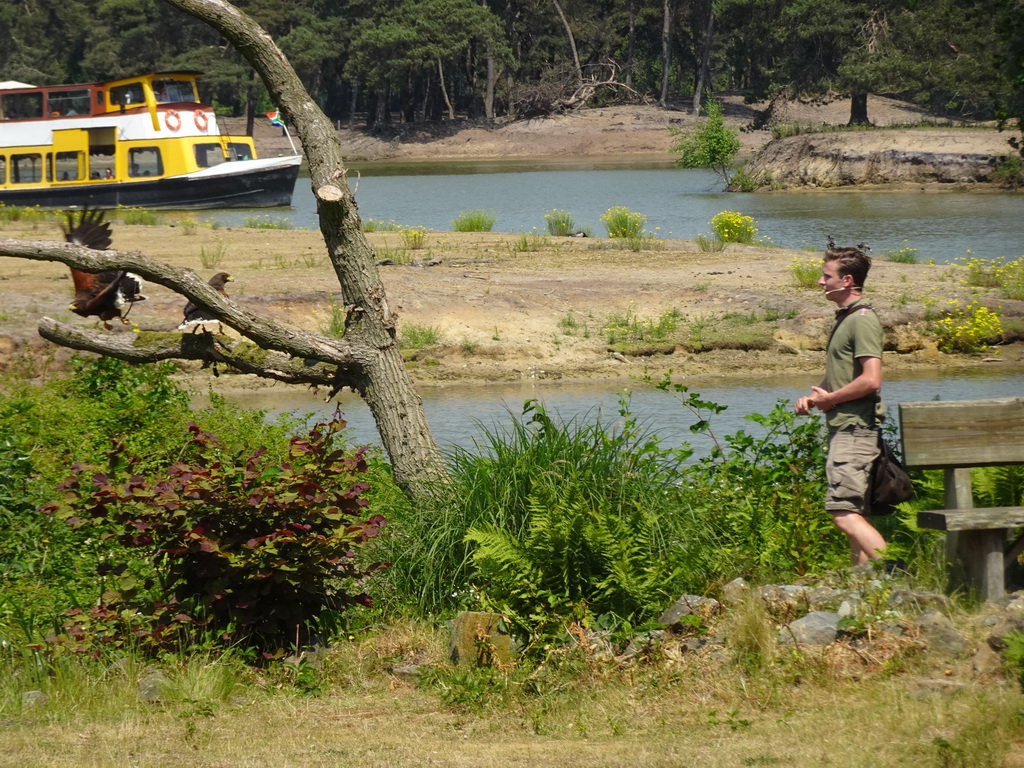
(819, 398)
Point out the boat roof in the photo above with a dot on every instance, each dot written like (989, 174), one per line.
(10, 85)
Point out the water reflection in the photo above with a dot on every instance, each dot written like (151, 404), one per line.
(679, 204)
(458, 415)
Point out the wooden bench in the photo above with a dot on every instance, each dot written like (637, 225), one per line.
(955, 436)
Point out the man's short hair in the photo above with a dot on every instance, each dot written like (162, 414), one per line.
(850, 261)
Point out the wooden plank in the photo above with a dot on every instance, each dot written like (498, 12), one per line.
(982, 554)
(978, 519)
(962, 433)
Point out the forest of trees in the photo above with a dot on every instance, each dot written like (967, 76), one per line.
(381, 61)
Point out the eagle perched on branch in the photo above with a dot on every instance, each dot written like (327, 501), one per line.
(101, 294)
(198, 319)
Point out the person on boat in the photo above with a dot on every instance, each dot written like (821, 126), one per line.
(849, 397)
(108, 174)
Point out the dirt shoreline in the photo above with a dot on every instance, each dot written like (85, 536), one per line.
(503, 315)
(508, 315)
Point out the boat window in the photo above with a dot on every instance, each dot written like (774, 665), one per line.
(3, 169)
(167, 90)
(68, 103)
(238, 151)
(26, 169)
(126, 95)
(209, 155)
(145, 161)
(69, 166)
(22, 106)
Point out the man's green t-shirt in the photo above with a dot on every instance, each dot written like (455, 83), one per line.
(857, 336)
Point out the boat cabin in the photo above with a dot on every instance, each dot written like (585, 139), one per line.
(133, 129)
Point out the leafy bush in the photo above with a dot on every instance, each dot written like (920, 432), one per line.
(805, 272)
(967, 329)
(258, 551)
(560, 223)
(414, 237)
(622, 222)
(732, 227)
(474, 221)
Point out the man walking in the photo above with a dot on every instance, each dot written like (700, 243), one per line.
(849, 397)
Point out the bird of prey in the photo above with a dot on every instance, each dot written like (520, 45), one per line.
(101, 294)
(198, 319)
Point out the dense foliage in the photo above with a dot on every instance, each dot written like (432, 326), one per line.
(164, 535)
(258, 552)
(407, 60)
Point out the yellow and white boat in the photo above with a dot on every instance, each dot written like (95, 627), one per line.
(142, 141)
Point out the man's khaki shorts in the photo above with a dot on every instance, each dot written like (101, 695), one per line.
(851, 451)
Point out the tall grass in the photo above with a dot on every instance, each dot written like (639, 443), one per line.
(474, 221)
(560, 223)
(622, 222)
(534, 459)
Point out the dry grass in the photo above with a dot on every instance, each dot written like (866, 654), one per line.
(703, 709)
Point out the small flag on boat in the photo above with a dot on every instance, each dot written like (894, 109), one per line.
(275, 118)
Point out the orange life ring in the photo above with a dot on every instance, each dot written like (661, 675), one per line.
(172, 119)
(202, 121)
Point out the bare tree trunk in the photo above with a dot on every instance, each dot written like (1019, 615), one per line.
(492, 77)
(572, 41)
(631, 44)
(444, 91)
(704, 70)
(250, 104)
(352, 107)
(668, 17)
(368, 360)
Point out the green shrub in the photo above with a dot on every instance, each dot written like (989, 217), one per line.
(138, 216)
(416, 336)
(805, 271)
(414, 238)
(903, 255)
(266, 222)
(261, 553)
(474, 221)
(732, 227)
(622, 222)
(967, 329)
(560, 223)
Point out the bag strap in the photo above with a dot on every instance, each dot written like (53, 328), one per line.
(840, 320)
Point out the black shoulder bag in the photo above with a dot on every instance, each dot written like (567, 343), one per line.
(890, 483)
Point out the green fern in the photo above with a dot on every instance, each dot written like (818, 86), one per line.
(575, 562)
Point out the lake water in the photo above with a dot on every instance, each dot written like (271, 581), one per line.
(678, 204)
(458, 415)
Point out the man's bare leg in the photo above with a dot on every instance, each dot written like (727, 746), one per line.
(866, 543)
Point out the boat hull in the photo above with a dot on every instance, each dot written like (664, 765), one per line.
(263, 188)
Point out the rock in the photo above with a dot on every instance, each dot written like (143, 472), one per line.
(824, 598)
(735, 591)
(909, 601)
(986, 662)
(642, 644)
(816, 628)
(687, 605)
(151, 687)
(31, 699)
(940, 634)
(476, 639)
